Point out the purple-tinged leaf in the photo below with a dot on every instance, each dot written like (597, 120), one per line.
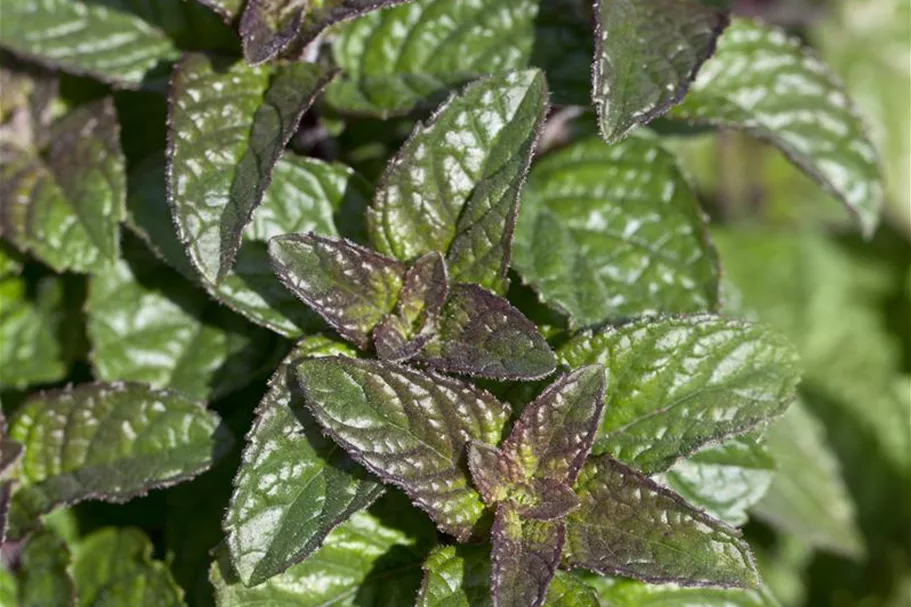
(554, 500)
(629, 525)
(391, 341)
(10, 453)
(525, 557)
(491, 472)
(353, 288)
(482, 334)
(409, 428)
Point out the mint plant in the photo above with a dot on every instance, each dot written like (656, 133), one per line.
(452, 250)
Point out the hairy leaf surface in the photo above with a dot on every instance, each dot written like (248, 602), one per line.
(454, 186)
(525, 557)
(628, 593)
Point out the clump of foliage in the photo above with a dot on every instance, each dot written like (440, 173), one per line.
(504, 367)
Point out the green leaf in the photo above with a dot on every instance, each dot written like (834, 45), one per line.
(113, 567)
(65, 206)
(352, 287)
(408, 428)
(148, 325)
(454, 186)
(293, 485)
(762, 81)
(227, 9)
(483, 335)
(397, 59)
(110, 442)
(10, 261)
(44, 579)
(273, 28)
(724, 480)
(525, 557)
(248, 115)
(567, 591)
(612, 231)
(808, 498)
(106, 40)
(628, 525)
(628, 593)
(646, 56)
(362, 562)
(680, 383)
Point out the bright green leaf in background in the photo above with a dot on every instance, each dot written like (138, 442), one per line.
(624, 593)
(45, 578)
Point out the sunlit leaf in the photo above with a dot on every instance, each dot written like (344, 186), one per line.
(525, 557)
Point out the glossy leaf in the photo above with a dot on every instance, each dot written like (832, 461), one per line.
(113, 567)
(362, 561)
(607, 232)
(350, 286)
(148, 325)
(646, 56)
(65, 206)
(44, 579)
(680, 383)
(525, 557)
(630, 526)
(110, 442)
(408, 428)
(293, 485)
(628, 593)
(481, 334)
(248, 116)
(454, 186)
(765, 83)
(403, 57)
(272, 28)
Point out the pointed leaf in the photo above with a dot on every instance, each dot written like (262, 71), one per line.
(491, 472)
(525, 557)
(483, 335)
(680, 383)
(554, 500)
(273, 28)
(646, 56)
(44, 579)
(404, 57)
(362, 559)
(248, 115)
(607, 232)
(350, 286)
(762, 81)
(109, 442)
(113, 567)
(408, 428)
(454, 186)
(628, 525)
(65, 206)
(293, 485)
(392, 342)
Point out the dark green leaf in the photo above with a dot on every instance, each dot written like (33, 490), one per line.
(630, 526)
(109, 442)
(44, 579)
(680, 383)
(403, 57)
(350, 286)
(628, 593)
(293, 485)
(362, 562)
(646, 56)
(607, 232)
(113, 567)
(525, 557)
(764, 82)
(408, 428)
(454, 186)
(227, 127)
(65, 206)
(483, 335)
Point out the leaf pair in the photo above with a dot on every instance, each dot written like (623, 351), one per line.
(413, 313)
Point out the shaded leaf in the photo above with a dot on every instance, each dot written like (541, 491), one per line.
(483, 335)
(764, 82)
(248, 115)
(408, 428)
(350, 286)
(65, 206)
(44, 579)
(293, 485)
(628, 525)
(525, 557)
(454, 186)
(109, 442)
(680, 383)
(607, 232)
(646, 56)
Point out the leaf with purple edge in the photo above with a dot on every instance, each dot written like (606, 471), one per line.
(526, 554)
(409, 428)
